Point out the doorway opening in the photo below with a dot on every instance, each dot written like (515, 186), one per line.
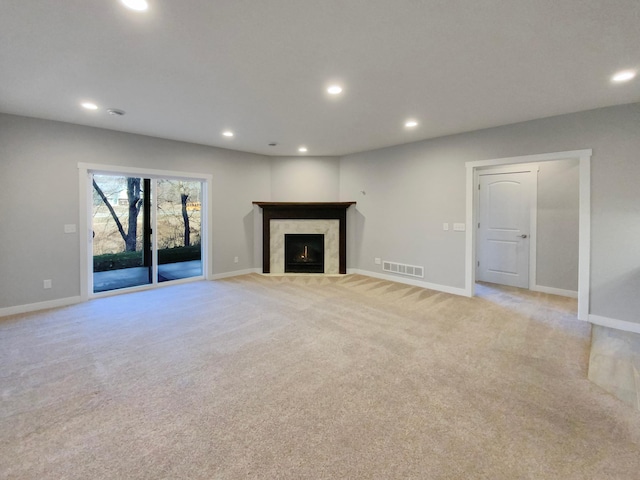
(584, 160)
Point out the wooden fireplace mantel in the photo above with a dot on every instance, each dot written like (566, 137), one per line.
(343, 205)
(306, 211)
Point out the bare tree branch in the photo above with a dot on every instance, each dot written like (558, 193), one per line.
(111, 210)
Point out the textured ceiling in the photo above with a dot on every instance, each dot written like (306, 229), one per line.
(187, 70)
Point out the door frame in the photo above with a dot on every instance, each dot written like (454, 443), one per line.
(85, 172)
(584, 234)
(533, 209)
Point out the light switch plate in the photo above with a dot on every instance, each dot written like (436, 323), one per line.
(445, 226)
(459, 227)
(70, 228)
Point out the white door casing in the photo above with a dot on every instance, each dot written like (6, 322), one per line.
(504, 230)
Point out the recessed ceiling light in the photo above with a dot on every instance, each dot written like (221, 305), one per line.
(137, 5)
(89, 105)
(623, 76)
(227, 133)
(411, 123)
(302, 149)
(334, 89)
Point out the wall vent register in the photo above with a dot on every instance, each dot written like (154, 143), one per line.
(403, 269)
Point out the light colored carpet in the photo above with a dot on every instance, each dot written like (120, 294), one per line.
(308, 378)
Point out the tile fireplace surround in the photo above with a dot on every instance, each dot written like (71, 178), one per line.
(327, 218)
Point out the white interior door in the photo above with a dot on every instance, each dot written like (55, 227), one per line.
(504, 213)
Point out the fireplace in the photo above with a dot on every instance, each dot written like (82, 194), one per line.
(303, 253)
(326, 219)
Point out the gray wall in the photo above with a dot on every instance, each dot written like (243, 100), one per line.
(39, 194)
(557, 228)
(305, 179)
(412, 189)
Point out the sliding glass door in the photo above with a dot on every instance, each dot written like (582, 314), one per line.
(120, 257)
(126, 211)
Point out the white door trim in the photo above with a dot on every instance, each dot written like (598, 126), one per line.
(584, 242)
(85, 196)
(533, 209)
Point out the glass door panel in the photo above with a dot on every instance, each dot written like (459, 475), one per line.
(179, 229)
(121, 232)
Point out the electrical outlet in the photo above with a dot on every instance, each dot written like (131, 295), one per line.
(377, 261)
(235, 260)
(47, 284)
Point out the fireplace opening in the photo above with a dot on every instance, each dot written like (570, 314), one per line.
(304, 253)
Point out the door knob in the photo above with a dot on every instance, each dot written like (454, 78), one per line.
(523, 236)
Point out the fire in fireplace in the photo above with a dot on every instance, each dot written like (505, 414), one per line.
(304, 253)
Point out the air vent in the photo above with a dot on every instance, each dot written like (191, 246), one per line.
(403, 269)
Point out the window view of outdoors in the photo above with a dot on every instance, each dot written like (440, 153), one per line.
(179, 228)
(122, 250)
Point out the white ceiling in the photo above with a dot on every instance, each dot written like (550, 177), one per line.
(189, 69)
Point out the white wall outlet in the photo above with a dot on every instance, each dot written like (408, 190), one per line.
(459, 227)
(377, 261)
(47, 284)
(70, 228)
(445, 226)
(235, 259)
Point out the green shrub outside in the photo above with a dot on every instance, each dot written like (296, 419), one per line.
(116, 261)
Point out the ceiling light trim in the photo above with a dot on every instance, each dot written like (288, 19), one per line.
(624, 76)
(136, 5)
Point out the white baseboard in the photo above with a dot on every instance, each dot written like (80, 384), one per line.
(554, 291)
(623, 325)
(237, 273)
(33, 307)
(410, 281)
(63, 302)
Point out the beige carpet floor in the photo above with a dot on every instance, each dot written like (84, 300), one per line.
(308, 377)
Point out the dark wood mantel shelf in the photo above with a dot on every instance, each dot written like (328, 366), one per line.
(305, 204)
(307, 211)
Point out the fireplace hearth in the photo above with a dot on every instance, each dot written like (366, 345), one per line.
(304, 253)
